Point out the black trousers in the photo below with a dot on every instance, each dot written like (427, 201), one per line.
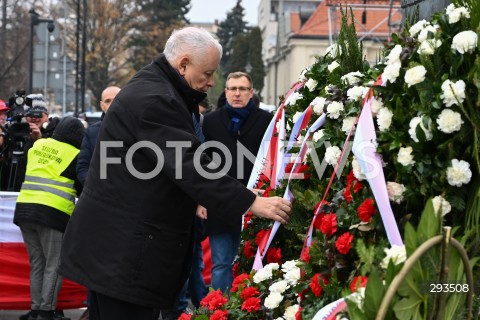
(103, 307)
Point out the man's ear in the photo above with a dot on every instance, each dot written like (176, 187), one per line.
(182, 65)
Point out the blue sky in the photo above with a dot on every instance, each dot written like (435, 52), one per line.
(209, 10)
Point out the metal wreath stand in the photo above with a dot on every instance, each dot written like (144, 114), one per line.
(446, 241)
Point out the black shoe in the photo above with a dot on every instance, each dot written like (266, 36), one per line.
(30, 315)
(58, 315)
(46, 315)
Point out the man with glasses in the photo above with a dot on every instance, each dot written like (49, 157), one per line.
(240, 122)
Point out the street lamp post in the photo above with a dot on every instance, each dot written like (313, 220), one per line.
(35, 20)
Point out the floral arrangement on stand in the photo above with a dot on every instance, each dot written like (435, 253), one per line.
(425, 107)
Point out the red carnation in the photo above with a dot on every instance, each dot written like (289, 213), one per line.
(239, 280)
(262, 233)
(219, 315)
(351, 177)
(251, 304)
(317, 289)
(246, 220)
(274, 255)
(344, 243)
(305, 256)
(357, 186)
(358, 282)
(249, 292)
(328, 225)
(248, 250)
(185, 316)
(235, 269)
(366, 210)
(298, 315)
(318, 220)
(214, 300)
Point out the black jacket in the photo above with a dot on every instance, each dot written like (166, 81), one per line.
(131, 238)
(215, 128)
(86, 151)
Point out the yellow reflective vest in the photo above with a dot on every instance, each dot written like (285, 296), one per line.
(47, 159)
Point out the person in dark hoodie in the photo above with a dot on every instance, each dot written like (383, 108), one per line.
(43, 209)
(91, 134)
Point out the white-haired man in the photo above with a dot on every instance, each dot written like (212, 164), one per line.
(130, 239)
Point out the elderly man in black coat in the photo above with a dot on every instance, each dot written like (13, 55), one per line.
(130, 237)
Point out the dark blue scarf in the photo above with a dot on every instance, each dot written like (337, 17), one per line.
(238, 116)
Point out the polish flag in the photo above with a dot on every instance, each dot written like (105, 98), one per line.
(15, 268)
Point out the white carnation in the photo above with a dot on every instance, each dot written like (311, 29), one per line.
(454, 14)
(318, 135)
(334, 108)
(459, 173)
(405, 157)
(357, 169)
(302, 77)
(296, 116)
(453, 92)
(356, 93)
(293, 276)
(262, 275)
(428, 46)
(347, 124)
(352, 78)
(376, 105)
(465, 41)
(289, 265)
(423, 35)
(391, 72)
(395, 191)
(311, 84)
(396, 254)
(332, 66)
(292, 99)
(394, 55)
(384, 119)
(332, 154)
(273, 300)
(441, 206)
(415, 75)
(290, 312)
(279, 286)
(449, 121)
(427, 130)
(417, 27)
(318, 104)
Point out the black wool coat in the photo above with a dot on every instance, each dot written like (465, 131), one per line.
(131, 237)
(215, 128)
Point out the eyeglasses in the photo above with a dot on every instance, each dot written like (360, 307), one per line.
(234, 89)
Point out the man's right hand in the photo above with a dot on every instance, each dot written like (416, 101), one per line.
(274, 208)
(35, 132)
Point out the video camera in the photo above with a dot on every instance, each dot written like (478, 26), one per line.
(16, 129)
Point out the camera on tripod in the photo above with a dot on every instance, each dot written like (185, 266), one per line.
(16, 129)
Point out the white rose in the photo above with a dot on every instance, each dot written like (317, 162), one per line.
(459, 173)
(296, 116)
(428, 46)
(376, 105)
(405, 157)
(391, 72)
(279, 286)
(441, 206)
(356, 93)
(449, 121)
(395, 191)
(290, 312)
(352, 78)
(397, 254)
(273, 300)
(465, 41)
(394, 55)
(417, 27)
(311, 84)
(318, 135)
(415, 75)
(318, 104)
(332, 66)
(333, 109)
(384, 119)
(332, 154)
(427, 130)
(292, 99)
(357, 169)
(347, 124)
(423, 35)
(453, 92)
